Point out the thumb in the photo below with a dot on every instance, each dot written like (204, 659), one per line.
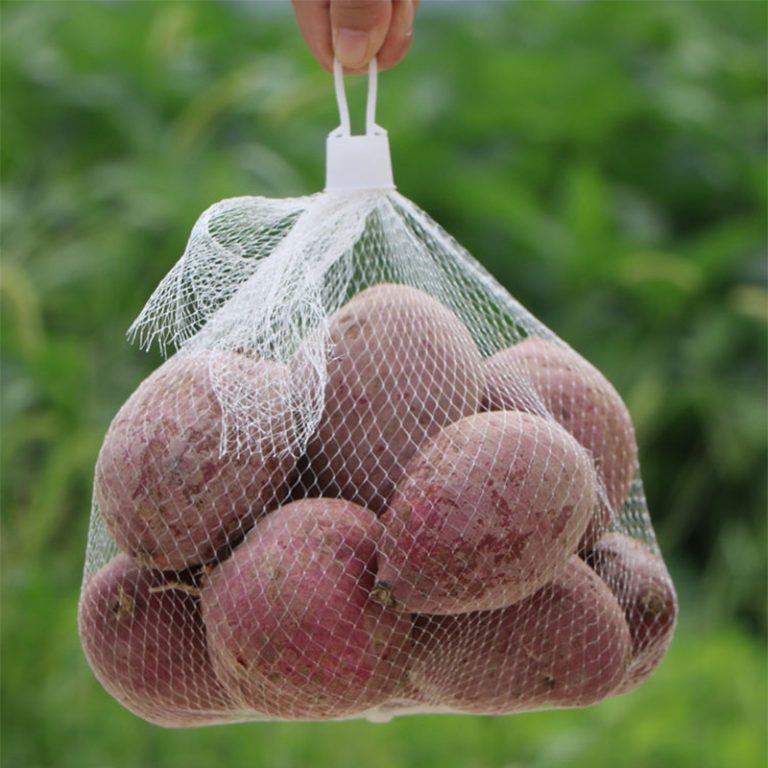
(358, 30)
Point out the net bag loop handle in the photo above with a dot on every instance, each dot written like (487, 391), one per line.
(344, 128)
(357, 163)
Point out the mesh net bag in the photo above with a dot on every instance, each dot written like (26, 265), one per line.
(367, 482)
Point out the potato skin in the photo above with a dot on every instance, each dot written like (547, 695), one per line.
(567, 645)
(538, 376)
(166, 494)
(402, 365)
(148, 648)
(642, 585)
(487, 513)
(292, 628)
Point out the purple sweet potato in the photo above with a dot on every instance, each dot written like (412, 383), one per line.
(167, 494)
(487, 513)
(642, 585)
(292, 628)
(144, 638)
(402, 366)
(538, 376)
(567, 645)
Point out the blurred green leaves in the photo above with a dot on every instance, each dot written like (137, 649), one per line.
(606, 161)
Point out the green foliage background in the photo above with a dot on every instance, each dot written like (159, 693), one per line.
(605, 160)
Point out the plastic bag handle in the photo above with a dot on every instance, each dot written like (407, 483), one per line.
(357, 162)
(344, 128)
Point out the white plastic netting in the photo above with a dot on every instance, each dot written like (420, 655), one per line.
(368, 482)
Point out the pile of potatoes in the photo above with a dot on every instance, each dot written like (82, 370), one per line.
(442, 545)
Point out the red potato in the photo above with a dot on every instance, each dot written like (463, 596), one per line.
(292, 629)
(538, 376)
(402, 366)
(487, 513)
(145, 642)
(167, 494)
(642, 585)
(565, 646)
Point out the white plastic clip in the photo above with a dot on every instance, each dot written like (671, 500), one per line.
(357, 162)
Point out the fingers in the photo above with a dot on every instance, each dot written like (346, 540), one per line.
(400, 33)
(313, 17)
(356, 30)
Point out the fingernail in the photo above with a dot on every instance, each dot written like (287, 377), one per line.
(350, 47)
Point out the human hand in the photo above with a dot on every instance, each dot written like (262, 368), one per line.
(354, 31)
